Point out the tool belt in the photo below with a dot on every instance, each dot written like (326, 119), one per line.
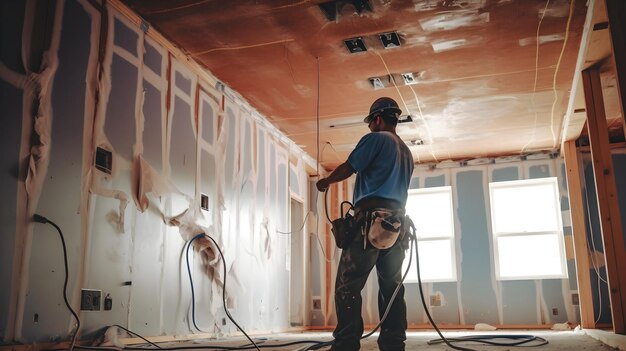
(381, 225)
(344, 228)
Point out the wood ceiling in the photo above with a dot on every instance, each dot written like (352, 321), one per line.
(491, 77)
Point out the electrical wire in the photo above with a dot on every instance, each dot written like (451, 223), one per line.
(432, 152)
(393, 296)
(223, 290)
(591, 251)
(532, 97)
(207, 346)
(193, 294)
(297, 230)
(303, 221)
(484, 339)
(419, 284)
(518, 340)
(317, 235)
(137, 335)
(556, 71)
(251, 346)
(193, 302)
(326, 206)
(317, 119)
(41, 219)
(223, 347)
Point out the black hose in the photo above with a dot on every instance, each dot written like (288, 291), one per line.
(41, 219)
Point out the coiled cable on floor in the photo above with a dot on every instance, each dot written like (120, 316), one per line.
(518, 340)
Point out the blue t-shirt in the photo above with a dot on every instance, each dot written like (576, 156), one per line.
(384, 166)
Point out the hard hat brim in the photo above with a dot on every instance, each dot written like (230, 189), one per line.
(369, 117)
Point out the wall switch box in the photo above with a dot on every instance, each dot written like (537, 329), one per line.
(90, 300)
(108, 303)
(104, 160)
(204, 202)
(317, 303)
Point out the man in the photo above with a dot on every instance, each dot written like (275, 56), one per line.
(383, 164)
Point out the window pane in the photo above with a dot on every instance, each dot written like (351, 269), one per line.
(436, 262)
(431, 212)
(524, 208)
(529, 256)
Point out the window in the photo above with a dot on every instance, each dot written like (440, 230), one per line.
(527, 229)
(431, 212)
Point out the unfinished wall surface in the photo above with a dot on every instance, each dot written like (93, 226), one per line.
(186, 158)
(477, 297)
(11, 95)
(595, 242)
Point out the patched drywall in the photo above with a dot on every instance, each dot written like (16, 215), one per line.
(186, 158)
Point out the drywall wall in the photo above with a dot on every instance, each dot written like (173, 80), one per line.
(476, 296)
(11, 107)
(187, 157)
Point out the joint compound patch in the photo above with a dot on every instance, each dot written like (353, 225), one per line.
(454, 20)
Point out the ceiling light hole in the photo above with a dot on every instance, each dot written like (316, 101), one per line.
(377, 83)
(389, 40)
(409, 78)
(355, 45)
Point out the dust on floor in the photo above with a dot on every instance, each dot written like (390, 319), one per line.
(417, 340)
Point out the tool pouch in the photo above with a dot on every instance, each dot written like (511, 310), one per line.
(384, 227)
(344, 228)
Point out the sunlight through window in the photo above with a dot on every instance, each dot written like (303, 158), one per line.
(431, 211)
(527, 229)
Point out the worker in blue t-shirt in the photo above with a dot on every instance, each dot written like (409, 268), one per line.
(383, 165)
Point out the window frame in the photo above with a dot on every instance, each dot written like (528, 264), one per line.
(411, 277)
(558, 231)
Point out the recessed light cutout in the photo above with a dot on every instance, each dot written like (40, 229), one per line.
(389, 40)
(355, 45)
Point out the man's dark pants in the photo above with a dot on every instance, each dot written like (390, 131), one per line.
(354, 268)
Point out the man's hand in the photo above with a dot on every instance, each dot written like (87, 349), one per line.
(342, 172)
(322, 184)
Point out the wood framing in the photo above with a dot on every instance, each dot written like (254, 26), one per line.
(579, 233)
(333, 212)
(608, 205)
(616, 11)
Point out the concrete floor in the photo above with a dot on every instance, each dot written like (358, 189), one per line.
(417, 340)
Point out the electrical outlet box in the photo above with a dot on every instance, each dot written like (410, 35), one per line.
(575, 299)
(204, 202)
(435, 300)
(317, 303)
(90, 300)
(108, 303)
(104, 160)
